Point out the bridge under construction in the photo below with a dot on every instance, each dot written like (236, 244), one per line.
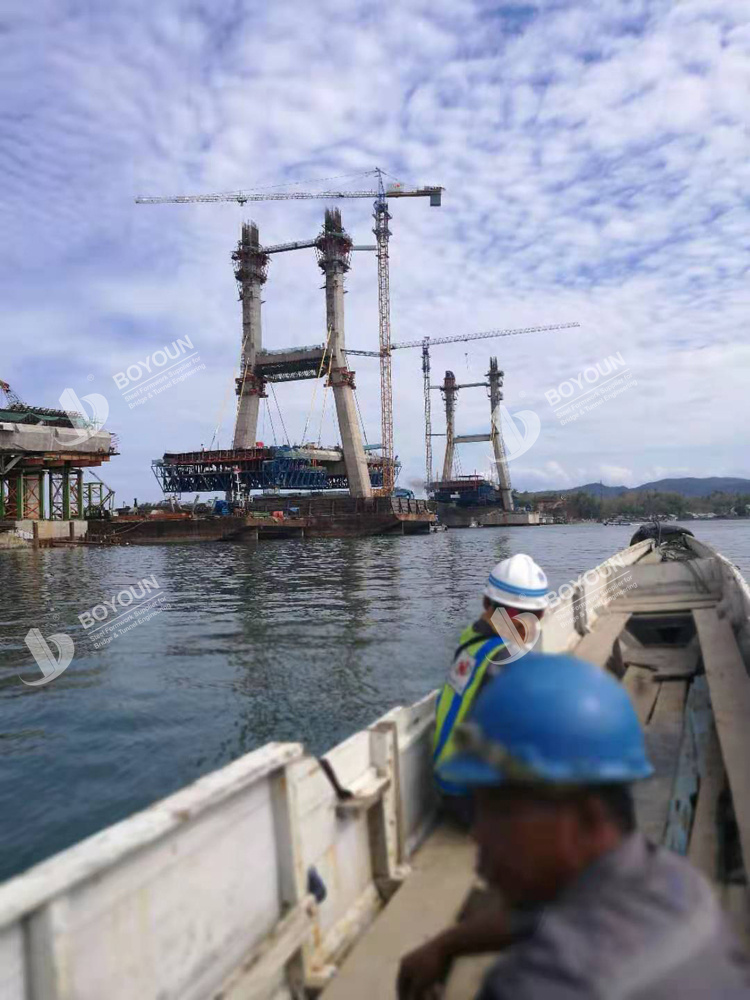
(250, 466)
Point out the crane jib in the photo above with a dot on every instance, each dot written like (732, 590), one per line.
(433, 193)
(432, 341)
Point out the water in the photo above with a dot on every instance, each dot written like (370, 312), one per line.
(291, 640)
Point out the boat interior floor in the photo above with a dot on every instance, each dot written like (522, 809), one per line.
(430, 899)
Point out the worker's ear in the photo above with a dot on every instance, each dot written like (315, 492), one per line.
(592, 811)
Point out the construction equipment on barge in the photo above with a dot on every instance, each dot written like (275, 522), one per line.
(267, 877)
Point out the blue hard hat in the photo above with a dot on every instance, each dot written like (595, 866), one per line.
(550, 719)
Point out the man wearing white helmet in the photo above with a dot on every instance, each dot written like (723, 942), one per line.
(514, 598)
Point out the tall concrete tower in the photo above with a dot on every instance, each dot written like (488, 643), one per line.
(251, 271)
(495, 378)
(449, 390)
(334, 258)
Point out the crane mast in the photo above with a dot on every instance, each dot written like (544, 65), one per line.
(382, 232)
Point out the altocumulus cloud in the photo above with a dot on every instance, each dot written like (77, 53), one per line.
(595, 163)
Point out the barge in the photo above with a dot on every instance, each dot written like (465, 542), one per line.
(263, 518)
(281, 874)
(471, 501)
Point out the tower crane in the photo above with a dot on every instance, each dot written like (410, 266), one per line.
(426, 342)
(382, 217)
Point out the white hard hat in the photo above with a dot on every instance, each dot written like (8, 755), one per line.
(518, 583)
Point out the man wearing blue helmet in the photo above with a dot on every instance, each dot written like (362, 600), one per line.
(591, 909)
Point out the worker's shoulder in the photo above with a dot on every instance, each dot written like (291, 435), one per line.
(626, 933)
(479, 629)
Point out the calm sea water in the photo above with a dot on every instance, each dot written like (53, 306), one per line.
(292, 640)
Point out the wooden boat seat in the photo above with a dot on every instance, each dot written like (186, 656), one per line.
(600, 645)
(429, 900)
(671, 586)
(729, 686)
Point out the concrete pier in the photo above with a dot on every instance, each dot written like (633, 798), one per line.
(251, 273)
(495, 377)
(448, 389)
(333, 257)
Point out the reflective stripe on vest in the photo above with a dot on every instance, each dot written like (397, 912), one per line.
(452, 707)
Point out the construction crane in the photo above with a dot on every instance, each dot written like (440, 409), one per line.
(13, 398)
(382, 233)
(426, 342)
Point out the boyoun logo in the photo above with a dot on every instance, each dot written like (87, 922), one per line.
(78, 414)
(516, 440)
(50, 665)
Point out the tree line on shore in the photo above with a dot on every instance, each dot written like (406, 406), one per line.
(635, 503)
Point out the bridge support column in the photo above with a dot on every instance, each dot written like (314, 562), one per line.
(334, 249)
(251, 272)
(449, 391)
(496, 432)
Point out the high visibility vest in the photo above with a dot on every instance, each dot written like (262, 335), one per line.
(472, 658)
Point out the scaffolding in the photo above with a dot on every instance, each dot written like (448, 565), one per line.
(238, 471)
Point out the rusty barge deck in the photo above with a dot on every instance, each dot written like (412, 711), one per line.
(274, 517)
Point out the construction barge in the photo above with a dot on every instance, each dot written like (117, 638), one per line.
(301, 516)
(473, 502)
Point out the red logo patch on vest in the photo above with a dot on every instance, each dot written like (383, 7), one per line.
(463, 666)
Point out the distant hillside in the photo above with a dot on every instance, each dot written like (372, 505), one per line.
(699, 487)
(595, 489)
(687, 487)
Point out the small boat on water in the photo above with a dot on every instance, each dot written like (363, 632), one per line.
(280, 872)
(618, 521)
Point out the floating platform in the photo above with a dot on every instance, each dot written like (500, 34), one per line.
(340, 516)
(273, 517)
(475, 502)
(455, 516)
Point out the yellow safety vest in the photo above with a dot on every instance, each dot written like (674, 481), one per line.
(470, 663)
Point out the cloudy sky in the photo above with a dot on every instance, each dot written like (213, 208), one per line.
(594, 155)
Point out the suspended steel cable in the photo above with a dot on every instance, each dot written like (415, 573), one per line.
(325, 400)
(361, 420)
(222, 409)
(315, 387)
(281, 415)
(270, 417)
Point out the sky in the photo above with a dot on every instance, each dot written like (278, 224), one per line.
(595, 162)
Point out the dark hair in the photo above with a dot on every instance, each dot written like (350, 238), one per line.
(618, 801)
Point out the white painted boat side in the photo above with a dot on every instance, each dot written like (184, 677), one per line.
(206, 892)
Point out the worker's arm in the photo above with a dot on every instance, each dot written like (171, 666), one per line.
(420, 970)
